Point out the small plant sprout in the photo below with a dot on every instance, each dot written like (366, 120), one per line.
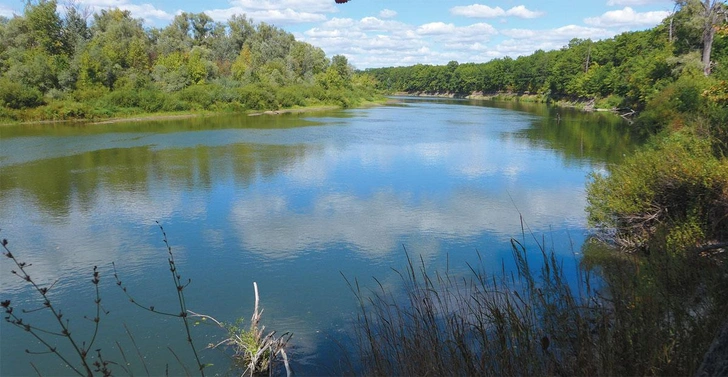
(253, 350)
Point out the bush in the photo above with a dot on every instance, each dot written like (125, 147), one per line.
(257, 98)
(671, 106)
(126, 98)
(18, 96)
(62, 110)
(612, 101)
(290, 96)
(716, 111)
(151, 100)
(673, 195)
(90, 93)
(199, 96)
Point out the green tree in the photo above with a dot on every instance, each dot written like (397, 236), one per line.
(119, 46)
(340, 64)
(45, 27)
(705, 16)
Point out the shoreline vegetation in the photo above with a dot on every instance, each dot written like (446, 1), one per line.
(188, 115)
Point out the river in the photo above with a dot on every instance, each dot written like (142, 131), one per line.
(292, 202)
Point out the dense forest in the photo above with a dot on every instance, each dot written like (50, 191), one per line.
(73, 64)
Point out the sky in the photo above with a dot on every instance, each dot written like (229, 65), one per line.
(385, 33)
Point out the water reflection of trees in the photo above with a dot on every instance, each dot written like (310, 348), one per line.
(577, 135)
(583, 136)
(55, 183)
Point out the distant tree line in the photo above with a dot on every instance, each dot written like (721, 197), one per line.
(625, 71)
(74, 64)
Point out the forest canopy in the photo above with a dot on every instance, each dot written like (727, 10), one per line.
(627, 70)
(74, 64)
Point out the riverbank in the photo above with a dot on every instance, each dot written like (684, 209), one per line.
(193, 114)
(588, 105)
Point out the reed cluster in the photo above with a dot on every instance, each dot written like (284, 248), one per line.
(624, 316)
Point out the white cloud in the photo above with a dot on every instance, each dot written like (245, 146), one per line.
(278, 12)
(387, 13)
(146, 11)
(373, 23)
(484, 11)
(627, 17)
(6, 11)
(638, 2)
(563, 33)
(274, 16)
(478, 10)
(375, 42)
(312, 6)
(452, 33)
(525, 41)
(522, 12)
(436, 28)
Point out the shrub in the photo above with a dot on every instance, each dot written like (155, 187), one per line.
(257, 98)
(612, 101)
(199, 96)
(290, 96)
(671, 106)
(151, 100)
(673, 195)
(18, 96)
(127, 98)
(66, 110)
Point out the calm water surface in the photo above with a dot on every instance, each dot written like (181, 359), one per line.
(291, 202)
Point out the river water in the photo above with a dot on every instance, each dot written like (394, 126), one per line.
(292, 202)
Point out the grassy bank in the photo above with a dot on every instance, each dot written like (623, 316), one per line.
(142, 117)
(199, 100)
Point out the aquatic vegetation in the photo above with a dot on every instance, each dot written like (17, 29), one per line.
(624, 316)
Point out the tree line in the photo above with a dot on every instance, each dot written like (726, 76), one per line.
(75, 64)
(627, 70)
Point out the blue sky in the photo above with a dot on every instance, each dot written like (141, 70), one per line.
(379, 33)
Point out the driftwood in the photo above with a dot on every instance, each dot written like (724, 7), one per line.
(713, 248)
(257, 356)
(626, 113)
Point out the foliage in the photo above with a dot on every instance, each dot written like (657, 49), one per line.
(632, 66)
(672, 196)
(674, 105)
(15, 95)
(114, 66)
(650, 316)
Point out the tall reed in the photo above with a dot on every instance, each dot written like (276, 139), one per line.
(623, 317)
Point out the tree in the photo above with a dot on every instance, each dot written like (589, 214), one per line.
(708, 16)
(45, 26)
(119, 44)
(341, 65)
